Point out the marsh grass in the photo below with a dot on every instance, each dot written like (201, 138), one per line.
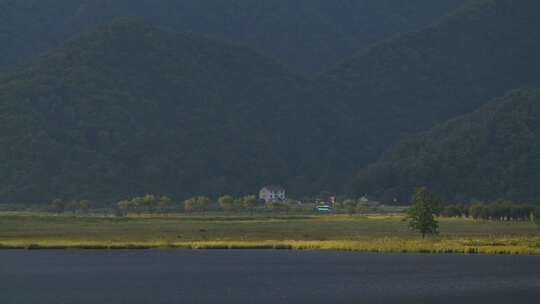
(517, 246)
(384, 233)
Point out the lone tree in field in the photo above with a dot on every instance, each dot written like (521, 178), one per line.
(421, 216)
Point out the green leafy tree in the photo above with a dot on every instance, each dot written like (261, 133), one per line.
(72, 206)
(278, 206)
(124, 206)
(204, 203)
(537, 216)
(197, 203)
(249, 202)
(421, 216)
(117, 212)
(475, 210)
(349, 206)
(149, 202)
(137, 205)
(57, 206)
(285, 206)
(163, 203)
(238, 204)
(361, 206)
(338, 205)
(83, 207)
(190, 205)
(226, 203)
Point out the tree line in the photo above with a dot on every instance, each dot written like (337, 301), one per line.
(351, 206)
(496, 211)
(152, 203)
(425, 207)
(149, 203)
(225, 203)
(74, 206)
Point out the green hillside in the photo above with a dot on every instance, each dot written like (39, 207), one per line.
(489, 154)
(307, 35)
(129, 109)
(407, 84)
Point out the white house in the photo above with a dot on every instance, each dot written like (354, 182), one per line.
(272, 193)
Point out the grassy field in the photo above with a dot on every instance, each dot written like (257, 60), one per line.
(335, 232)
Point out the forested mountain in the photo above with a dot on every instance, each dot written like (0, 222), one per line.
(307, 35)
(407, 84)
(486, 155)
(128, 109)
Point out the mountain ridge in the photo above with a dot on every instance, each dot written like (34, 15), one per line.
(492, 153)
(409, 83)
(307, 35)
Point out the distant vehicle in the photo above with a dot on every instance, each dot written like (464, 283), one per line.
(323, 208)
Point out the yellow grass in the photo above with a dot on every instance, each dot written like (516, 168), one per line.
(497, 246)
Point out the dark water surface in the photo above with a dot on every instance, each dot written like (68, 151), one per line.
(134, 277)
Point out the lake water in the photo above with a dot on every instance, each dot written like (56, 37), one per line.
(153, 276)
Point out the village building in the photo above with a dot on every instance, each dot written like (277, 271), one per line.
(272, 193)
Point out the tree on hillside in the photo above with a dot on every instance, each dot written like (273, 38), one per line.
(537, 216)
(421, 216)
(226, 203)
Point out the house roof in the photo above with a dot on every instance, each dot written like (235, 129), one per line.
(273, 188)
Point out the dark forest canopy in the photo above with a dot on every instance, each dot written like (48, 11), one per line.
(493, 153)
(407, 84)
(307, 35)
(129, 109)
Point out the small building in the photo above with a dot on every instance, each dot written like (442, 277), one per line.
(272, 193)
